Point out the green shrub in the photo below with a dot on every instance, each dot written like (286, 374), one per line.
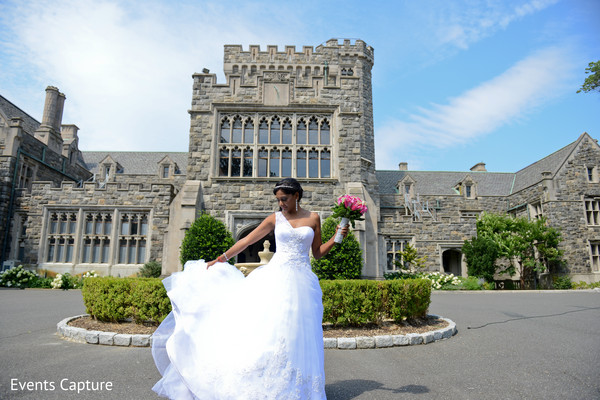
(352, 303)
(481, 254)
(345, 302)
(149, 301)
(151, 269)
(113, 299)
(66, 281)
(41, 283)
(108, 298)
(585, 285)
(17, 277)
(562, 282)
(470, 283)
(407, 298)
(206, 239)
(362, 302)
(344, 261)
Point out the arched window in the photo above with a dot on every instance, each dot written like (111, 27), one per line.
(236, 133)
(313, 131)
(313, 163)
(301, 163)
(325, 164)
(274, 163)
(286, 163)
(275, 131)
(248, 161)
(301, 132)
(224, 162)
(263, 132)
(263, 162)
(286, 133)
(225, 131)
(275, 146)
(325, 134)
(236, 161)
(249, 131)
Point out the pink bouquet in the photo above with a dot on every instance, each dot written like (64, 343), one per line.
(349, 209)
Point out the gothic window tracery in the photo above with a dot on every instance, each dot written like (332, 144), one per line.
(274, 146)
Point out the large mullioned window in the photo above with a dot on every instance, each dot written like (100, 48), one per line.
(275, 146)
(98, 237)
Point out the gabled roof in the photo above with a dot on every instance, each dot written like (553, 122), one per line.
(532, 174)
(30, 124)
(135, 162)
(443, 182)
(488, 183)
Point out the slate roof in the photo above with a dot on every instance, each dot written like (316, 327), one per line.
(135, 162)
(532, 174)
(488, 183)
(30, 124)
(443, 182)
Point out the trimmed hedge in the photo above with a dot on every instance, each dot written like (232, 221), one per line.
(111, 299)
(345, 302)
(361, 302)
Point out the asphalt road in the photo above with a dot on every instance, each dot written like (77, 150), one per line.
(532, 345)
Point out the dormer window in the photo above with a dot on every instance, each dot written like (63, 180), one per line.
(469, 191)
(165, 171)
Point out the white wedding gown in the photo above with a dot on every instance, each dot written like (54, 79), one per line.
(230, 337)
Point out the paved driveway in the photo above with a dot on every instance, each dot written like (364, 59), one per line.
(519, 346)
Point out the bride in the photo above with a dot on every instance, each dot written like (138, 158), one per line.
(260, 337)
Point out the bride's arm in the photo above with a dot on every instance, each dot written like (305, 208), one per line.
(258, 233)
(320, 249)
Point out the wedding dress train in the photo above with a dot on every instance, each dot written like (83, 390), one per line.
(231, 337)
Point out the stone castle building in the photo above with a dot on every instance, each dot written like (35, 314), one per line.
(304, 113)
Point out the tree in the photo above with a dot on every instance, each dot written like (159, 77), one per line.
(529, 245)
(481, 254)
(409, 259)
(344, 261)
(592, 82)
(206, 239)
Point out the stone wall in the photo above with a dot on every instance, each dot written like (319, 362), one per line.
(334, 79)
(44, 198)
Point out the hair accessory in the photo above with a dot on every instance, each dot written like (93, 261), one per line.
(285, 187)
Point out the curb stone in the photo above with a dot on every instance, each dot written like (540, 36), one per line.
(81, 335)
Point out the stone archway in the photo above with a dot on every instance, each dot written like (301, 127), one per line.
(451, 260)
(250, 254)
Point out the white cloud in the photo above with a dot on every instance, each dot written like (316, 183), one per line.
(520, 90)
(462, 25)
(126, 67)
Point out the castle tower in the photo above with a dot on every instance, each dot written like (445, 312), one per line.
(305, 114)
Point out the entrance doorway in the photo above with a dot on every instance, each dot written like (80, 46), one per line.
(451, 260)
(250, 255)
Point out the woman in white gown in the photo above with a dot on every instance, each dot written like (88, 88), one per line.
(260, 337)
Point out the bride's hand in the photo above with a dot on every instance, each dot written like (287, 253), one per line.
(344, 230)
(210, 263)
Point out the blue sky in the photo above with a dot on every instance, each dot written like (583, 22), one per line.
(454, 82)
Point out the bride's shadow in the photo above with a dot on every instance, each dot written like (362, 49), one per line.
(350, 389)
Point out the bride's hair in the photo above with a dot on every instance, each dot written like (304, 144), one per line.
(289, 186)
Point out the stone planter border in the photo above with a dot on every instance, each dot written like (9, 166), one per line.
(81, 335)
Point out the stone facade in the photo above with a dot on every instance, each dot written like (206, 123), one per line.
(303, 113)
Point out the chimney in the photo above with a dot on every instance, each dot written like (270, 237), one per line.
(479, 167)
(49, 130)
(53, 108)
(403, 166)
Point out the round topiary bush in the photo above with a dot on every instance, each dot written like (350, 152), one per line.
(344, 261)
(206, 239)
